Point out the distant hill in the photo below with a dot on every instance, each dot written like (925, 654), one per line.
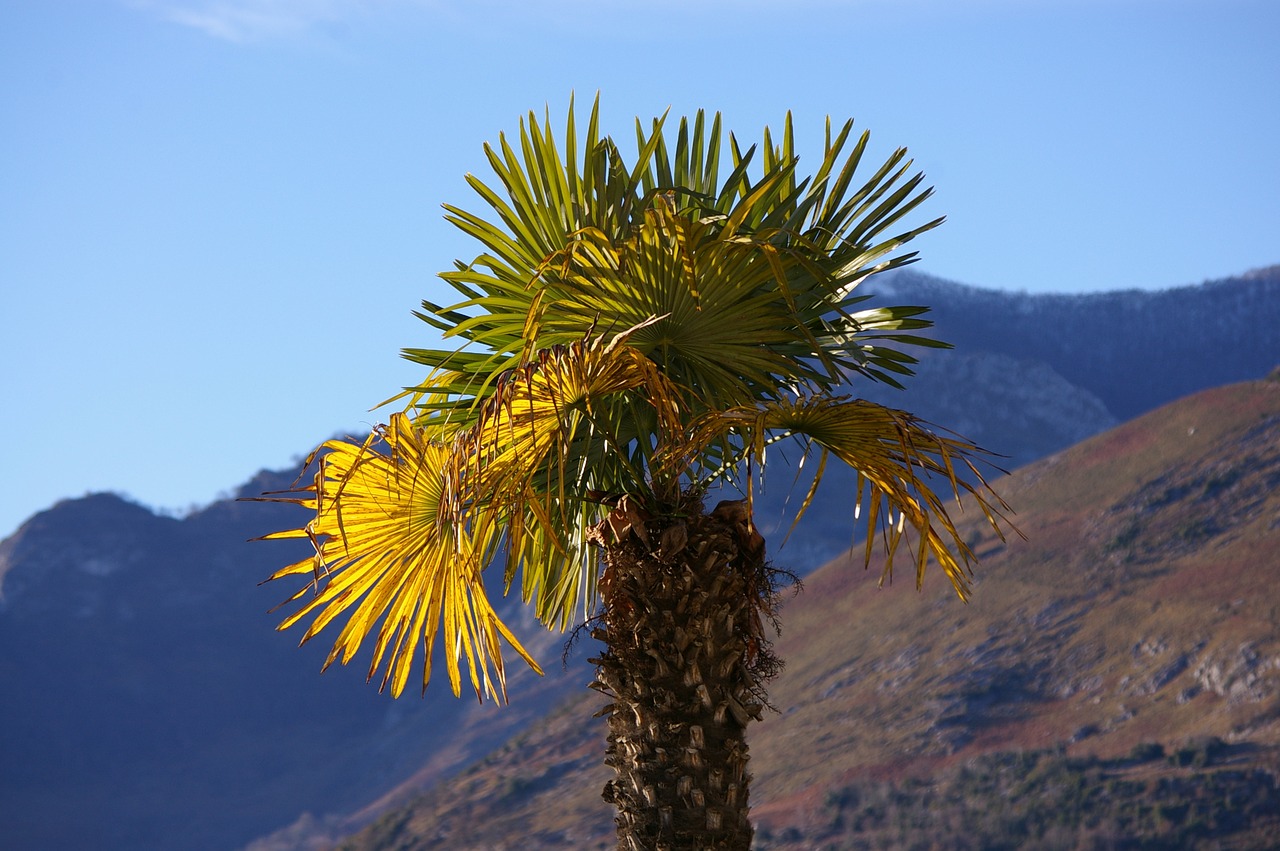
(1117, 674)
(147, 702)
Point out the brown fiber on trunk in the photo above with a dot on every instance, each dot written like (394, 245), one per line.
(684, 665)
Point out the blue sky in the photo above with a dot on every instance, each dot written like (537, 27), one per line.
(217, 215)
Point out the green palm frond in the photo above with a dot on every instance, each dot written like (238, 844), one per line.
(547, 206)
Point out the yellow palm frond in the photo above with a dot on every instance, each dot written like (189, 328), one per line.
(548, 435)
(405, 522)
(390, 548)
(898, 461)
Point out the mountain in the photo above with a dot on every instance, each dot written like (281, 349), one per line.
(1134, 350)
(1117, 674)
(148, 703)
(1033, 374)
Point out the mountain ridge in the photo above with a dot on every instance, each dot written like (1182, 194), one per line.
(1134, 349)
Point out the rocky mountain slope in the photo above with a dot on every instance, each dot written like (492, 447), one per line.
(148, 703)
(1117, 673)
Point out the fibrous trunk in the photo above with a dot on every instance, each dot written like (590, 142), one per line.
(684, 664)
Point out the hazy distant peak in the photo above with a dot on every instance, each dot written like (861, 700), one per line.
(1262, 273)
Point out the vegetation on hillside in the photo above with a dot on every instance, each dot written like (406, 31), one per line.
(1147, 801)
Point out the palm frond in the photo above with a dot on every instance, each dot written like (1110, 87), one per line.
(899, 462)
(391, 556)
(547, 206)
(405, 522)
(554, 430)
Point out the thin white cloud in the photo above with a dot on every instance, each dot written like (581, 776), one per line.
(255, 20)
(258, 20)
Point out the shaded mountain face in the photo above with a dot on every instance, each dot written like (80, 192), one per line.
(1019, 408)
(1117, 674)
(148, 702)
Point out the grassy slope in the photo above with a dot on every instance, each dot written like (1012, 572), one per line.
(1141, 608)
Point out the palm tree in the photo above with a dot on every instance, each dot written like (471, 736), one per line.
(630, 334)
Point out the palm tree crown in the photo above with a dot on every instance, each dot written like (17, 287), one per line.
(629, 331)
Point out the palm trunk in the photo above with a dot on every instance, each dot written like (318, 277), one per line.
(684, 665)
